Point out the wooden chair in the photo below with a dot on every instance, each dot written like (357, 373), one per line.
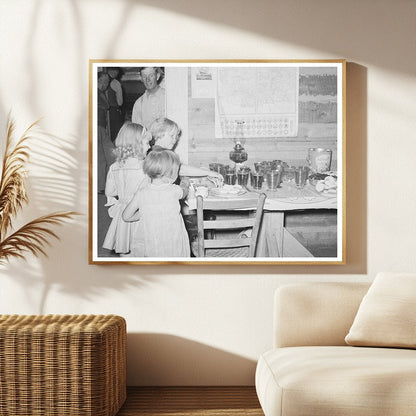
(235, 245)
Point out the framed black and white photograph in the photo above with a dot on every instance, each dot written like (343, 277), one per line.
(209, 162)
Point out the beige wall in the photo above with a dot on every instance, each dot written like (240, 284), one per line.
(195, 324)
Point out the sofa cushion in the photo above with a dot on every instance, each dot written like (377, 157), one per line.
(315, 314)
(387, 314)
(304, 381)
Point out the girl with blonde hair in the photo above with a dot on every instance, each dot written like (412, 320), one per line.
(161, 230)
(124, 178)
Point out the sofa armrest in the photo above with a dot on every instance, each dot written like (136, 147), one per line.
(308, 314)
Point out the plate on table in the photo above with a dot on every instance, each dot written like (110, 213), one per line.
(227, 191)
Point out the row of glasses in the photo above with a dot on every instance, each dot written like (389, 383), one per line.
(271, 170)
(268, 165)
(218, 167)
(227, 172)
(231, 176)
(275, 172)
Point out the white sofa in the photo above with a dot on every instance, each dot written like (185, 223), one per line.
(311, 370)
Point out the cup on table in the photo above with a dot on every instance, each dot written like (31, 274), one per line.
(273, 179)
(214, 167)
(257, 180)
(242, 176)
(274, 164)
(258, 167)
(301, 175)
(289, 174)
(217, 167)
(266, 165)
(230, 178)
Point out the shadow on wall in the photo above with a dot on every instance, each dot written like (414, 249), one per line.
(82, 286)
(52, 186)
(57, 187)
(69, 188)
(356, 168)
(338, 28)
(161, 359)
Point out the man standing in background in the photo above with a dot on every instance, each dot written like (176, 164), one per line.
(152, 104)
(105, 156)
(115, 100)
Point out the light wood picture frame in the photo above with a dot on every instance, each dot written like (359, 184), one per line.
(273, 127)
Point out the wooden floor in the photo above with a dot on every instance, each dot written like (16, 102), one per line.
(187, 401)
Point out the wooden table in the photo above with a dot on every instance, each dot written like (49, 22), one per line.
(274, 240)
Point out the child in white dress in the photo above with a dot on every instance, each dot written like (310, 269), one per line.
(124, 178)
(160, 231)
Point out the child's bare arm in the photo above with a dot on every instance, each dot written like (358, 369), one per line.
(184, 184)
(131, 212)
(110, 184)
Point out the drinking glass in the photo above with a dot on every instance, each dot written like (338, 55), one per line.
(229, 178)
(258, 167)
(257, 180)
(273, 179)
(213, 167)
(266, 165)
(217, 167)
(242, 177)
(301, 175)
(289, 174)
(274, 164)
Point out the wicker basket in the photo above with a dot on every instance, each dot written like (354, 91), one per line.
(71, 365)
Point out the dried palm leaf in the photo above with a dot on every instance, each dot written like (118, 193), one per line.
(33, 237)
(12, 183)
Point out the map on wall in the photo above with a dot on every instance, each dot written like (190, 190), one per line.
(257, 101)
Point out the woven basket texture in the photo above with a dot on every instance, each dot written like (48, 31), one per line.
(54, 365)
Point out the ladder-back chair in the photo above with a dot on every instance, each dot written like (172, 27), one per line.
(251, 209)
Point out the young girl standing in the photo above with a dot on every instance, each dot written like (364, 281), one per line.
(161, 231)
(124, 178)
